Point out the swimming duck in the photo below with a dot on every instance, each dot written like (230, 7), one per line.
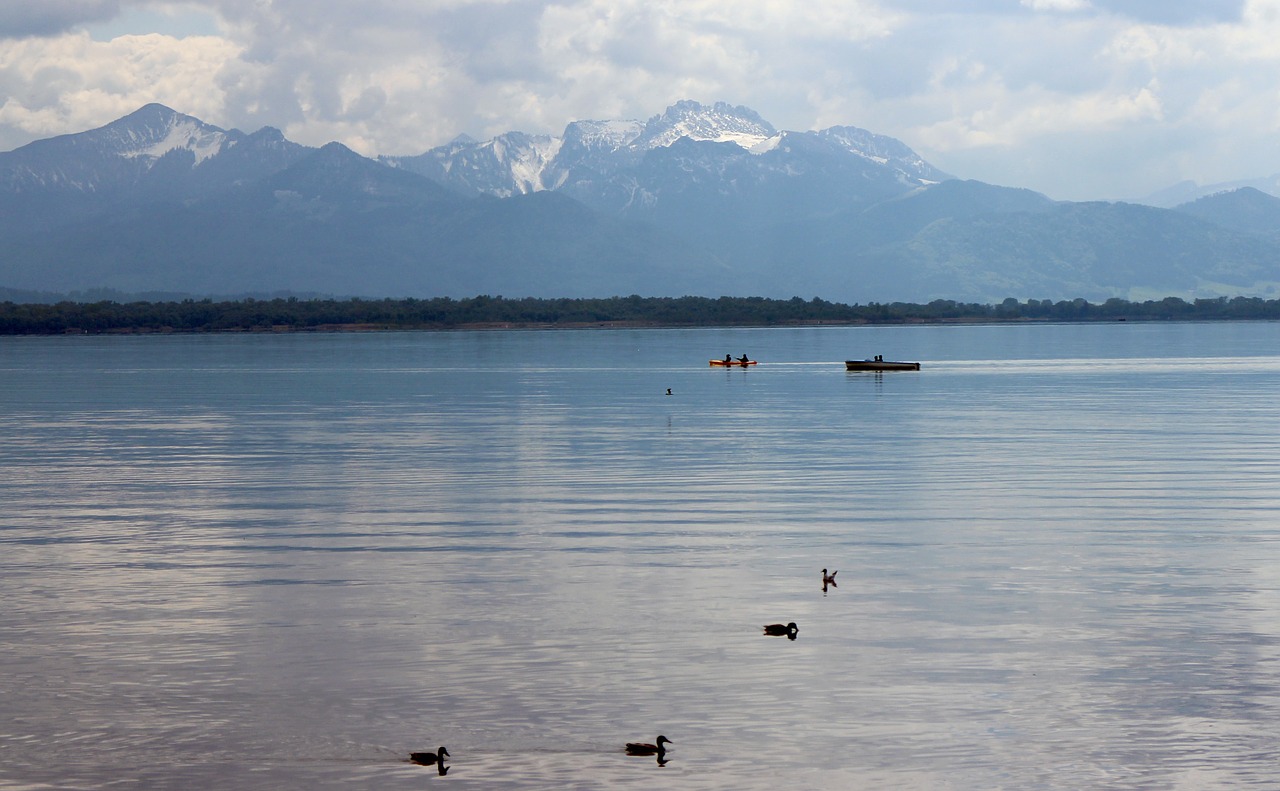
(427, 759)
(658, 749)
(779, 630)
(829, 579)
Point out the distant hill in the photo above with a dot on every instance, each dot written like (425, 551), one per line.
(697, 200)
(1188, 191)
(1247, 210)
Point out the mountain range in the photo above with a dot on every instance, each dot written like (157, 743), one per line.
(702, 200)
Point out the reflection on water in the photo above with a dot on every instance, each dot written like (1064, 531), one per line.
(289, 562)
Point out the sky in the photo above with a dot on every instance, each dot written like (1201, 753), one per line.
(1078, 99)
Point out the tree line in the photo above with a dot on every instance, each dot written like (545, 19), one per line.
(293, 314)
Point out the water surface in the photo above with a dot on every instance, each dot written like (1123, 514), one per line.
(260, 561)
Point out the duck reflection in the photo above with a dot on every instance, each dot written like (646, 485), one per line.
(658, 748)
(789, 631)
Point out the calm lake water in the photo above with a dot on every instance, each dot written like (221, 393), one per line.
(285, 562)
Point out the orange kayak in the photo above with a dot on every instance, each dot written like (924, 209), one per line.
(733, 362)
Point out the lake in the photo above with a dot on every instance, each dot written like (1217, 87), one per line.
(262, 561)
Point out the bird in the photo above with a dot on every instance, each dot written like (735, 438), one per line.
(779, 630)
(427, 759)
(640, 748)
(829, 579)
(668, 391)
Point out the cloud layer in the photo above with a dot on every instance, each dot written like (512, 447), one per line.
(1076, 98)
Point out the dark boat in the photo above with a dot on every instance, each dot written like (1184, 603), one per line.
(879, 365)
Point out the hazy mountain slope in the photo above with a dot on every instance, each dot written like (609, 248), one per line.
(343, 224)
(1092, 250)
(703, 200)
(1246, 210)
(1189, 191)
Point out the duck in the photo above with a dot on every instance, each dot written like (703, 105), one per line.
(427, 759)
(829, 579)
(781, 630)
(641, 748)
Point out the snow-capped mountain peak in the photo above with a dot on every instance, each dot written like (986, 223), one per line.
(155, 130)
(509, 164)
(526, 156)
(882, 150)
(89, 161)
(719, 123)
(594, 157)
(602, 135)
(184, 133)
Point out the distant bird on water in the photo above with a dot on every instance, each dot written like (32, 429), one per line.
(782, 630)
(427, 759)
(829, 579)
(640, 748)
(668, 391)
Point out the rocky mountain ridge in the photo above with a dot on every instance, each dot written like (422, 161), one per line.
(591, 152)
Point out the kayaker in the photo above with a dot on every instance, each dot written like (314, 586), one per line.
(728, 358)
(743, 359)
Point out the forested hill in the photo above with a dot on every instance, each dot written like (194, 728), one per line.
(285, 315)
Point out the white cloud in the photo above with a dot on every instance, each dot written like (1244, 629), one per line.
(179, 20)
(71, 82)
(1009, 120)
(1057, 5)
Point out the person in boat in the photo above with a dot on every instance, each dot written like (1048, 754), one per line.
(743, 359)
(728, 358)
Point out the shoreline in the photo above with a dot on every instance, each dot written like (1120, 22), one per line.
(499, 313)
(510, 326)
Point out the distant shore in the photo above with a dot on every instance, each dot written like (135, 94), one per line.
(499, 313)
